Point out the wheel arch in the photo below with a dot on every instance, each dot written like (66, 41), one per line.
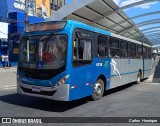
(104, 80)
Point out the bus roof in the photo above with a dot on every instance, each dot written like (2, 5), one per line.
(107, 32)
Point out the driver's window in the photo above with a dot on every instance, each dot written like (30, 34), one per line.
(82, 51)
(75, 49)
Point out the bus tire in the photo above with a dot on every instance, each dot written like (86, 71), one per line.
(98, 89)
(138, 78)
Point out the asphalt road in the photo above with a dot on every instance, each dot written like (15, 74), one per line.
(133, 100)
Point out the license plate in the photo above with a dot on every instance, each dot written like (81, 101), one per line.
(36, 89)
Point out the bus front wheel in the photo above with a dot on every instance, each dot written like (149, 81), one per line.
(98, 90)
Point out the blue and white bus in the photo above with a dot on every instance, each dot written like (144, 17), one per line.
(69, 60)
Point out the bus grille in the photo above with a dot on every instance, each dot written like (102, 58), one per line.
(47, 93)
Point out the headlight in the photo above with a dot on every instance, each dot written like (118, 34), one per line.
(62, 81)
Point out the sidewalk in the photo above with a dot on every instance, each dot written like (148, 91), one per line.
(155, 76)
(11, 69)
(8, 77)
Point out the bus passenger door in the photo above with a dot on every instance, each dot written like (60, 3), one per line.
(81, 73)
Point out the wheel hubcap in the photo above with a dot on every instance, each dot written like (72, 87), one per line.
(98, 89)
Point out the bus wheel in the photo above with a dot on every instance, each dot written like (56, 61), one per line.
(98, 89)
(138, 78)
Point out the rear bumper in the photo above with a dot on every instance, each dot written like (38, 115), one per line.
(59, 93)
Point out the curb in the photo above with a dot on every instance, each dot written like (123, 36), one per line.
(151, 83)
(11, 86)
(7, 70)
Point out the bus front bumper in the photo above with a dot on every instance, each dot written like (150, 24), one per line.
(59, 93)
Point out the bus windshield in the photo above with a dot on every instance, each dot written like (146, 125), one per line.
(43, 52)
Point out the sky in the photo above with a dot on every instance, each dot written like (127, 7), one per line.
(142, 9)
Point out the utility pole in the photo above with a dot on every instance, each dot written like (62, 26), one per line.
(26, 13)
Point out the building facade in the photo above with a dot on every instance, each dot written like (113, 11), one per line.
(34, 7)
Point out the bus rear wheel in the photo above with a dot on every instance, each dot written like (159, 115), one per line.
(98, 90)
(138, 78)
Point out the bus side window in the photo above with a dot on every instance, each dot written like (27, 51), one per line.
(114, 48)
(144, 52)
(132, 50)
(102, 46)
(124, 47)
(139, 51)
(149, 53)
(75, 48)
(82, 51)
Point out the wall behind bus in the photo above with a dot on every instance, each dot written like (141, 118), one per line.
(18, 27)
(13, 11)
(3, 9)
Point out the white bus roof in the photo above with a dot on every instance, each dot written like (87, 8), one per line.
(128, 39)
